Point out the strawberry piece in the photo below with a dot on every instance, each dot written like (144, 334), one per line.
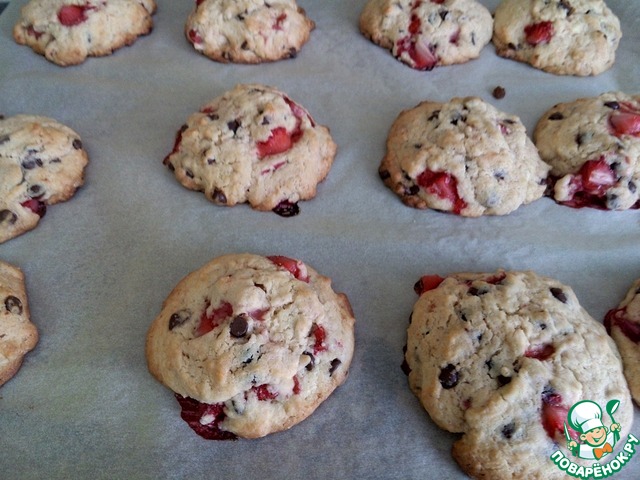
(36, 206)
(278, 142)
(295, 267)
(320, 335)
(194, 37)
(263, 393)
(33, 32)
(437, 2)
(209, 321)
(296, 385)
(71, 15)
(540, 352)
(204, 418)
(618, 317)
(597, 176)
(539, 33)
(258, 314)
(426, 283)
(279, 21)
(554, 414)
(442, 185)
(625, 122)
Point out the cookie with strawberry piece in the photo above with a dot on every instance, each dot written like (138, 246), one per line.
(564, 37)
(251, 345)
(66, 32)
(623, 324)
(425, 34)
(42, 162)
(255, 145)
(593, 147)
(464, 157)
(501, 357)
(248, 31)
(18, 335)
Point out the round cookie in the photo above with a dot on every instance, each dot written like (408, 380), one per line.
(428, 33)
(623, 324)
(564, 37)
(253, 144)
(42, 162)
(593, 147)
(66, 32)
(18, 335)
(251, 345)
(463, 156)
(248, 31)
(500, 357)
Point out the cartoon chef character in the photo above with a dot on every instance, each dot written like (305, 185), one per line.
(586, 417)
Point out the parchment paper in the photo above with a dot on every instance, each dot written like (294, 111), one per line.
(99, 266)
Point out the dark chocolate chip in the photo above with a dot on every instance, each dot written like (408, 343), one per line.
(558, 294)
(443, 14)
(434, 115)
(77, 144)
(613, 105)
(566, 6)
(448, 377)
(503, 380)
(36, 191)
(287, 209)
(245, 45)
(632, 187)
(499, 92)
(508, 430)
(335, 363)
(239, 326)
(31, 163)
(219, 196)
(312, 361)
(13, 305)
(556, 116)
(384, 174)
(179, 318)
(580, 137)
(188, 173)
(413, 190)
(8, 216)
(293, 53)
(233, 125)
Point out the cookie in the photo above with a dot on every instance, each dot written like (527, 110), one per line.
(255, 145)
(564, 37)
(42, 162)
(464, 157)
(593, 147)
(251, 345)
(67, 32)
(427, 34)
(500, 357)
(248, 31)
(623, 324)
(18, 335)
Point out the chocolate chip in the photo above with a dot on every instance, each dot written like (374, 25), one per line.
(503, 380)
(632, 187)
(245, 45)
(287, 209)
(179, 318)
(580, 137)
(293, 53)
(36, 191)
(219, 196)
(13, 305)
(443, 14)
(31, 163)
(477, 291)
(335, 363)
(613, 105)
(556, 116)
(508, 430)
(448, 377)
(499, 92)
(239, 326)
(434, 115)
(384, 174)
(213, 116)
(413, 190)
(77, 144)
(233, 125)
(312, 361)
(8, 216)
(188, 173)
(558, 294)
(566, 6)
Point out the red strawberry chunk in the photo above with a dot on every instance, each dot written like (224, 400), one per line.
(625, 123)
(538, 33)
(36, 206)
(264, 393)
(426, 283)
(296, 385)
(279, 142)
(438, 2)
(296, 267)
(33, 32)
(540, 352)
(194, 37)
(442, 185)
(209, 321)
(597, 176)
(618, 317)
(320, 336)
(71, 15)
(279, 21)
(554, 415)
(204, 418)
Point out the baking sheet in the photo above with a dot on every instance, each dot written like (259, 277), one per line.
(99, 266)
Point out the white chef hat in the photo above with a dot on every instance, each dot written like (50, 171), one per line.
(585, 416)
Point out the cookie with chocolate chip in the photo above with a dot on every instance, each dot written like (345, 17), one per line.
(42, 162)
(251, 31)
(564, 37)
(66, 33)
(593, 147)
(500, 358)
(464, 157)
(255, 145)
(18, 335)
(251, 345)
(623, 324)
(424, 35)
